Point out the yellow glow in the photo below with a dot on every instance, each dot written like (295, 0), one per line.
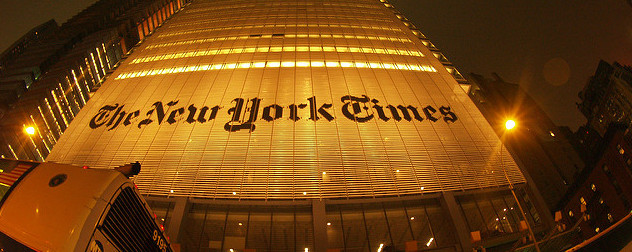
(510, 124)
(429, 241)
(200, 41)
(275, 64)
(30, 130)
(318, 64)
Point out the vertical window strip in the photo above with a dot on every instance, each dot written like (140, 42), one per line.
(81, 93)
(12, 151)
(89, 71)
(85, 79)
(48, 125)
(65, 98)
(50, 109)
(105, 53)
(100, 57)
(39, 133)
(96, 69)
(61, 112)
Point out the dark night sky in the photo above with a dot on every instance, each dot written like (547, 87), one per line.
(550, 48)
(526, 40)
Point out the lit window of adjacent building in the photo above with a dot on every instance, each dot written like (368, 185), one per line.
(582, 200)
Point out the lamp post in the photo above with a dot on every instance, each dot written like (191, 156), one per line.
(509, 125)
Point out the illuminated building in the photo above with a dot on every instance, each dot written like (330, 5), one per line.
(306, 125)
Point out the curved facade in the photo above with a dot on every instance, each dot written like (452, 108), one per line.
(270, 101)
(289, 100)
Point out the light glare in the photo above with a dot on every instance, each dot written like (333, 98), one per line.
(30, 130)
(510, 124)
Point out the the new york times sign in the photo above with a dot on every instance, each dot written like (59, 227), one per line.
(245, 112)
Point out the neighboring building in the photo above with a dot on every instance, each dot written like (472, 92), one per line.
(603, 194)
(48, 75)
(544, 151)
(283, 126)
(607, 98)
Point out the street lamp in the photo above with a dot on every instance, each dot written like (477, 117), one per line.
(30, 130)
(509, 125)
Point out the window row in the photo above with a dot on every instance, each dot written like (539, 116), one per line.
(280, 35)
(340, 49)
(267, 4)
(311, 18)
(277, 64)
(171, 34)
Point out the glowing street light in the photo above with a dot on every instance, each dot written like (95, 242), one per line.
(30, 130)
(510, 124)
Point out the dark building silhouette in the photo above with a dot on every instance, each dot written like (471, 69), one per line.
(602, 194)
(544, 151)
(607, 97)
(49, 74)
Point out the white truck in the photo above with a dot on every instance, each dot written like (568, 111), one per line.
(57, 207)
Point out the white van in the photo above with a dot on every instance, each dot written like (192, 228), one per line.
(55, 207)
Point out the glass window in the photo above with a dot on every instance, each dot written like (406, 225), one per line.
(259, 230)
(442, 227)
(355, 229)
(398, 224)
(376, 226)
(335, 233)
(283, 235)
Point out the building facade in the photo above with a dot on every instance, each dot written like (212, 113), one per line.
(50, 73)
(603, 194)
(286, 126)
